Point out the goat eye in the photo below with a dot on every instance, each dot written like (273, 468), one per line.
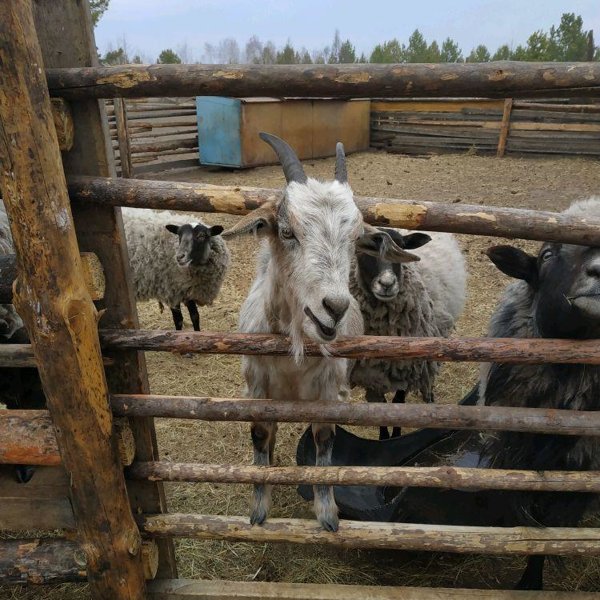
(546, 254)
(287, 233)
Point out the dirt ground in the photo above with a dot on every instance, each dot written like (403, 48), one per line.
(549, 184)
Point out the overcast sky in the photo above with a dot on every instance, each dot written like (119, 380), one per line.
(149, 26)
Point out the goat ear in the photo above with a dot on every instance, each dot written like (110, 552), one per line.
(173, 228)
(260, 220)
(215, 230)
(379, 243)
(514, 262)
(415, 240)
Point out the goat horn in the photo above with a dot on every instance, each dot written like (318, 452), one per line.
(341, 173)
(292, 167)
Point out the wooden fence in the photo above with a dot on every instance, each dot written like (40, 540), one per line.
(486, 126)
(83, 492)
(153, 134)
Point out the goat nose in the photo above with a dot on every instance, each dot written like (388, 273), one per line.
(336, 306)
(593, 270)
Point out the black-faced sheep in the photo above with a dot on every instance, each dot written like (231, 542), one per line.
(422, 298)
(175, 261)
(557, 296)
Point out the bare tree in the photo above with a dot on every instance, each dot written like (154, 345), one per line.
(254, 50)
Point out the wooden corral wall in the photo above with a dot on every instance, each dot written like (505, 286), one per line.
(61, 206)
(486, 126)
(155, 134)
(152, 134)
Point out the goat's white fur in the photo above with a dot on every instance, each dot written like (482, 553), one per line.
(293, 275)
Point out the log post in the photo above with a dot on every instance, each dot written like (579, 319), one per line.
(456, 80)
(52, 298)
(387, 212)
(66, 37)
(123, 137)
(508, 103)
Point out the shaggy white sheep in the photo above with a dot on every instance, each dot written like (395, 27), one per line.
(422, 299)
(174, 260)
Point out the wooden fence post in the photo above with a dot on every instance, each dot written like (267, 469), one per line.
(123, 137)
(65, 32)
(52, 298)
(504, 127)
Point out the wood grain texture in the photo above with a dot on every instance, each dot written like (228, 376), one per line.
(54, 560)
(193, 589)
(426, 216)
(63, 122)
(436, 477)
(437, 416)
(494, 79)
(66, 36)
(29, 438)
(500, 350)
(92, 273)
(43, 504)
(372, 535)
(123, 137)
(504, 127)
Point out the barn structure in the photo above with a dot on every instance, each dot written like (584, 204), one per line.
(87, 346)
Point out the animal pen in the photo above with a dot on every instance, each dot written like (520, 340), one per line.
(116, 529)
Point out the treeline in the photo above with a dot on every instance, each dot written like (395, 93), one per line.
(568, 41)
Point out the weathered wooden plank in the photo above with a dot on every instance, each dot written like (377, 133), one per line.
(501, 350)
(66, 36)
(445, 477)
(163, 146)
(21, 356)
(504, 128)
(59, 314)
(410, 214)
(123, 137)
(43, 503)
(29, 438)
(438, 416)
(54, 560)
(192, 589)
(583, 541)
(441, 106)
(63, 122)
(502, 79)
(576, 108)
(92, 273)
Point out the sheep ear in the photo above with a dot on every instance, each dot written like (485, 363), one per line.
(415, 240)
(379, 243)
(172, 228)
(215, 230)
(514, 262)
(259, 221)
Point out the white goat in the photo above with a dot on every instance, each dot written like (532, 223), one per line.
(302, 290)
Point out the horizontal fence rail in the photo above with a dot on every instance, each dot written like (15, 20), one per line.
(21, 356)
(434, 477)
(29, 437)
(435, 416)
(494, 79)
(371, 535)
(501, 350)
(410, 214)
(194, 589)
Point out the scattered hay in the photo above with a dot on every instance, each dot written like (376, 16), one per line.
(516, 182)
